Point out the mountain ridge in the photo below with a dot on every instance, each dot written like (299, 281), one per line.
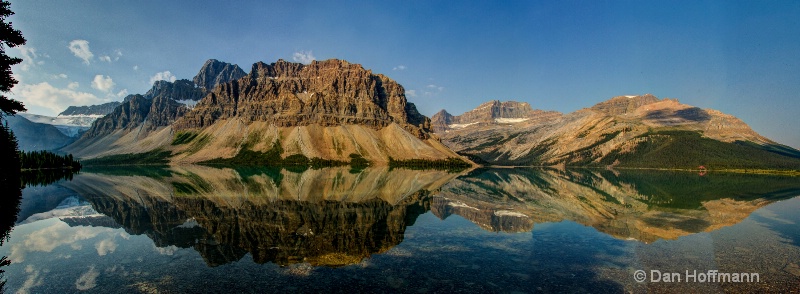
(621, 128)
(330, 110)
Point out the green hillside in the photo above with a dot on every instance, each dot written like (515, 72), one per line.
(688, 149)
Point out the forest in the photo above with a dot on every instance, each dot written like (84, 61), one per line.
(33, 160)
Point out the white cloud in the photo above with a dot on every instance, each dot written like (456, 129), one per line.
(59, 76)
(399, 67)
(105, 58)
(135, 67)
(48, 97)
(34, 280)
(28, 57)
(73, 85)
(87, 280)
(80, 48)
(304, 57)
(411, 93)
(103, 83)
(122, 93)
(118, 53)
(432, 90)
(169, 250)
(105, 246)
(164, 75)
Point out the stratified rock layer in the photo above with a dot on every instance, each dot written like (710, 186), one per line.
(326, 93)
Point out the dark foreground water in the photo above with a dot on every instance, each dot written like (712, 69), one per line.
(201, 229)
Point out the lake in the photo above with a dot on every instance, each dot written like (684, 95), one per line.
(509, 230)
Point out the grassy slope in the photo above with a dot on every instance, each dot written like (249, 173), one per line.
(689, 150)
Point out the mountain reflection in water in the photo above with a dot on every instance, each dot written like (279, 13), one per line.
(331, 216)
(338, 216)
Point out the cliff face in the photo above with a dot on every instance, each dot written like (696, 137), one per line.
(329, 109)
(215, 72)
(325, 93)
(159, 107)
(126, 116)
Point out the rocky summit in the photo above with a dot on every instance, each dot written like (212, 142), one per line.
(326, 93)
(330, 110)
(491, 113)
(215, 72)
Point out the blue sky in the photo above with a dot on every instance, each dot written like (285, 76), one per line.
(739, 57)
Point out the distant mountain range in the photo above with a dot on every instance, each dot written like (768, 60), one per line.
(40, 132)
(334, 110)
(632, 131)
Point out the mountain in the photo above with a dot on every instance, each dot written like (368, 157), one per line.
(215, 72)
(73, 121)
(489, 113)
(101, 109)
(633, 131)
(33, 136)
(327, 109)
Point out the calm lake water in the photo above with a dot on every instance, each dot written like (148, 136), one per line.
(203, 229)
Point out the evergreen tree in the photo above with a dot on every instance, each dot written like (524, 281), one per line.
(9, 38)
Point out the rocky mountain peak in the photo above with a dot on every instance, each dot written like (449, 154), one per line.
(624, 104)
(178, 90)
(215, 72)
(159, 107)
(488, 112)
(327, 93)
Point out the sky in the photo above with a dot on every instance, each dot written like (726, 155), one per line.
(739, 57)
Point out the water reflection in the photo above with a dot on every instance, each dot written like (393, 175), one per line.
(338, 216)
(331, 216)
(641, 205)
(175, 228)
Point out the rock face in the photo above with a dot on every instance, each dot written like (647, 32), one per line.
(215, 72)
(101, 109)
(159, 107)
(326, 93)
(487, 113)
(624, 104)
(618, 131)
(329, 109)
(164, 102)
